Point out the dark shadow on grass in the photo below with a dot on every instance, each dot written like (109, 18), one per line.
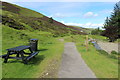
(36, 60)
(42, 50)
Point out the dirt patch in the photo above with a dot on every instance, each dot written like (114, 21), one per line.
(62, 40)
(52, 70)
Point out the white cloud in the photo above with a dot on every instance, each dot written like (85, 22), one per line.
(58, 15)
(89, 15)
(72, 24)
(106, 11)
(95, 14)
(65, 14)
(86, 25)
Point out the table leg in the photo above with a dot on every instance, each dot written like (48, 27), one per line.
(6, 58)
(30, 50)
(23, 58)
(17, 54)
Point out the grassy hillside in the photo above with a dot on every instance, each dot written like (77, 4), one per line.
(81, 29)
(20, 10)
(47, 61)
(22, 18)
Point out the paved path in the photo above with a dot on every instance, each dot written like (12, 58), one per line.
(73, 66)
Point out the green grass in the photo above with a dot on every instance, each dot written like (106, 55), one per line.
(28, 12)
(0, 51)
(86, 30)
(98, 37)
(104, 66)
(51, 51)
(118, 40)
(48, 60)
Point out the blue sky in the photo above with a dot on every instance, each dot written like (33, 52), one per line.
(85, 14)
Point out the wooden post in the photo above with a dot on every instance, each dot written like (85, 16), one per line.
(86, 42)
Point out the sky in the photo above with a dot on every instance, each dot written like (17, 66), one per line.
(84, 14)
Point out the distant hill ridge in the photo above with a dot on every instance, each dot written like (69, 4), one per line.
(21, 18)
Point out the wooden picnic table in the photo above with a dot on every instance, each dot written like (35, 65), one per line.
(19, 51)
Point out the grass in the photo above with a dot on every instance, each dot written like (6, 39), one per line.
(98, 37)
(104, 66)
(86, 30)
(22, 11)
(28, 12)
(50, 54)
(0, 51)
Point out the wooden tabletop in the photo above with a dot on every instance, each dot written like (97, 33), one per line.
(19, 48)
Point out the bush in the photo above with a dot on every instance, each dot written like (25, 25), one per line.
(103, 52)
(51, 20)
(96, 31)
(114, 52)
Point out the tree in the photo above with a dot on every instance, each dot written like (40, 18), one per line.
(51, 20)
(112, 24)
(96, 31)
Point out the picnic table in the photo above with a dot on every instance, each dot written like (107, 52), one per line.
(20, 54)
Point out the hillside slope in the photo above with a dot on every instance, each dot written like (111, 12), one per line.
(22, 18)
(84, 30)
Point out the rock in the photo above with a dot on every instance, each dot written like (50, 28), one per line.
(46, 73)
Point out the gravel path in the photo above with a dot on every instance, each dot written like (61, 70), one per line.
(73, 66)
(108, 47)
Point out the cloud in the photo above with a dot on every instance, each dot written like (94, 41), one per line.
(106, 11)
(86, 25)
(89, 15)
(93, 25)
(58, 15)
(65, 14)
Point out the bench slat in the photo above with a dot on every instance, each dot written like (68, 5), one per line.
(15, 58)
(32, 55)
(3, 56)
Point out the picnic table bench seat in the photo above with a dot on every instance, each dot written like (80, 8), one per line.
(32, 55)
(3, 56)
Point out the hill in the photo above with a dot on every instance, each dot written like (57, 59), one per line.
(25, 19)
(81, 29)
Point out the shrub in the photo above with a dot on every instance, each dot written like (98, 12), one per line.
(114, 52)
